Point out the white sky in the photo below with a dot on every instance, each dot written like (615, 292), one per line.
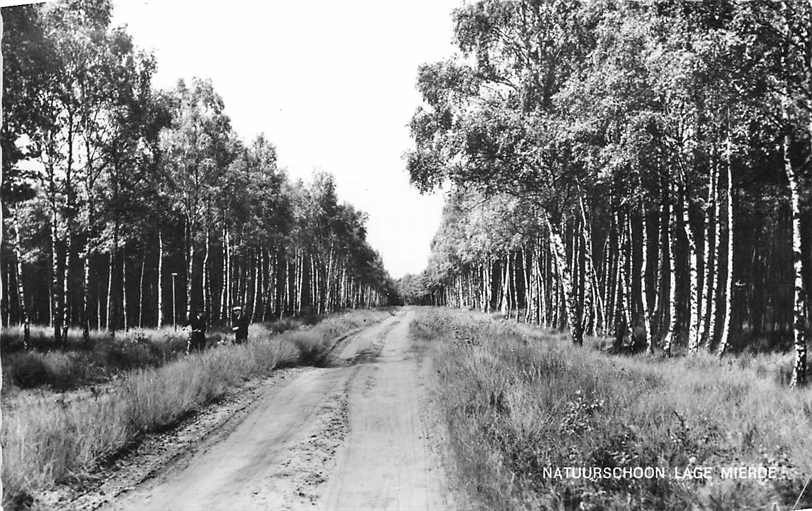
(332, 85)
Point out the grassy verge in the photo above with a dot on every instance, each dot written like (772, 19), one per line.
(78, 363)
(519, 402)
(45, 443)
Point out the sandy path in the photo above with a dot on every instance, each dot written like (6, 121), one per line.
(386, 462)
(348, 437)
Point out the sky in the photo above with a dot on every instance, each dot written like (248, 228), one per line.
(331, 84)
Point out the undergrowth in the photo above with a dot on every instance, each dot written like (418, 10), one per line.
(76, 363)
(520, 401)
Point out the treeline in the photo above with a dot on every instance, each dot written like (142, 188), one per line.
(129, 206)
(633, 169)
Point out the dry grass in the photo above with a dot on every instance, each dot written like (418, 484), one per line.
(518, 400)
(49, 439)
(77, 363)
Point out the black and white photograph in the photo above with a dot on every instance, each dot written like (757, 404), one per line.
(425, 255)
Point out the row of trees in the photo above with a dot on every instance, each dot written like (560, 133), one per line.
(623, 166)
(130, 206)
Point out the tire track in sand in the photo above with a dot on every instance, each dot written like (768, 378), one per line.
(348, 437)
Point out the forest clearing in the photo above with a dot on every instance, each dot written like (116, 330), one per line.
(611, 311)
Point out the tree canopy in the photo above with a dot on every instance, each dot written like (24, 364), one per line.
(643, 168)
(122, 198)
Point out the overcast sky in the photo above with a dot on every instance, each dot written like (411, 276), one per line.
(332, 84)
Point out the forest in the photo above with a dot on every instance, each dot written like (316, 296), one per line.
(129, 206)
(639, 170)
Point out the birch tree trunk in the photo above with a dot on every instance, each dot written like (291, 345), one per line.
(99, 289)
(86, 291)
(124, 290)
(670, 247)
(313, 277)
(644, 284)
(723, 340)
(107, 322)
(662, 246)
(799, 309)
(190, 266)
(206, 284)
(286, 297)
(611, 275)
(264, 277)
(503, 297)
(56, 302)
(69, 214)
(566, 283)
(160, 279)
(245, 276)
(66, 290)
(1, 235)
(708, 257)
(514, 293)
(604, 275)
(485, 287)
(342, 295)
(257, 295)
(528, 292)
(328, 280)
(541, 269)
(623, 314)
(693, 326)
(274, 269)
(141, 295)
(228, 298)
(592, 296)
(114, 249)
(628, 269)
(300, 286)
(19, 265)
(716, 275)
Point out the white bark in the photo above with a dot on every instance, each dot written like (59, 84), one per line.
(644, 286)
(799, 309)
(564, 276)
(716, 275)
(670, 245)
(709, 257)
(723, 340)
(107, 321)
(124, 290)
(591, 294)
(141, 294)
(160, 279)
(190, 266)
(1, 235)
(693, 326)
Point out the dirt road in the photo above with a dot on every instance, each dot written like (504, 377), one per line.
(350, 437)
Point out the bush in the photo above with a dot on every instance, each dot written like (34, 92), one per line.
(25, 370)
(312, 350)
